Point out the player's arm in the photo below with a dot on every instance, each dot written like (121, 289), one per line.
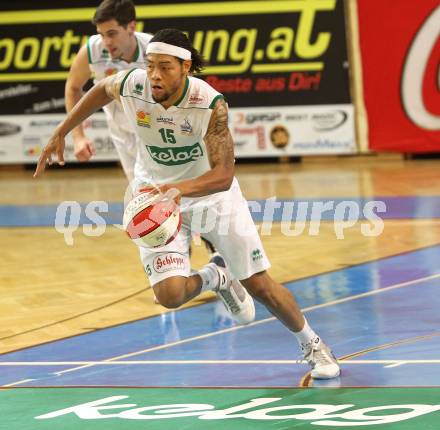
(220, 148)
(78, 76)
(98, 96)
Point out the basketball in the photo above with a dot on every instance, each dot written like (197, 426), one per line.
(152, 220)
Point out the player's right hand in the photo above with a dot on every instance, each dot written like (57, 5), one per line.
(55, 146)
(83, 149)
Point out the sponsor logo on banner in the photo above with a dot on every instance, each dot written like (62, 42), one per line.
(18, 90)
(325, 144)
(104, 145)
(416, 74)
(46, 105)
(258, 131)
(297, 117)
(32, 146)
(294, 130)
(265, 117)
(95, 123)
(329, 121)
(240, 143)
(300, 81)
(143, 119)
(44, 123)
(321, 121)
(8, 129)
(240, 118)
(165, 263)
(256, 409)
(175, 156)
(251, 118)
(279, 136)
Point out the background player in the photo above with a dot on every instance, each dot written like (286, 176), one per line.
(116, 47)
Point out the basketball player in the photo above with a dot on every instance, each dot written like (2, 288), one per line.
(182, 125)
(116, 47)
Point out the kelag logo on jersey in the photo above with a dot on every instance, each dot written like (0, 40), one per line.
(175, 156)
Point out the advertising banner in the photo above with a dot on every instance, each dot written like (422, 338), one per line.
(400, 47)
(285, 56)
(23, 136)
(285, 130)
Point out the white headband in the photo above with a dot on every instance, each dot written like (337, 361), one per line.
(166, 48)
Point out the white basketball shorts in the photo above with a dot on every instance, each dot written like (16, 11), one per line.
(223, 219)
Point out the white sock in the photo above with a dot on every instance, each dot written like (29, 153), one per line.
(210, 277)
(306, 335)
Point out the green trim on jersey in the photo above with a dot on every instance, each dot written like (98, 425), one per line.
(155, 103)
(185, 90)
(214, 100)
(138, 98)
(136, 53)
(123, 81)
(89, 52)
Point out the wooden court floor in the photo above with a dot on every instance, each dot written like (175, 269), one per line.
(51, 290)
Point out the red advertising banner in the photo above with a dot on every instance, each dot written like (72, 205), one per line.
(400, 50)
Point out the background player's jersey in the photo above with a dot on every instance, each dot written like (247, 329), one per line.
(102, 65)
(172, 142)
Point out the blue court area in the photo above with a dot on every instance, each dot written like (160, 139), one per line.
(381, 319)
(328, 209)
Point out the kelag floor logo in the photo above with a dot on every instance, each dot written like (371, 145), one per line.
(174, 408)
(330, 415)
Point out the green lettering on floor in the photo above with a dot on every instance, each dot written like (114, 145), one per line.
(240, 409)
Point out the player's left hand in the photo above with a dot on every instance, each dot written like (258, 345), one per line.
(55, 146)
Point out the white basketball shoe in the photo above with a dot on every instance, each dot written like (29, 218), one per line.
(321, 359)
(234, 296)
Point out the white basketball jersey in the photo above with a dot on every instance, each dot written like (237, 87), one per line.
(102, 65)
(172, 142)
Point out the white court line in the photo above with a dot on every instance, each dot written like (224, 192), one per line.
(310, 308)
(156, 348)
(391, 363)
(396, 364)
(255, 323)
(23, 381)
